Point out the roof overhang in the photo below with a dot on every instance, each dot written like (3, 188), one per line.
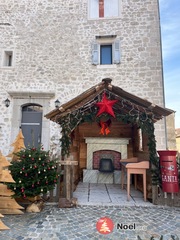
(127, 103)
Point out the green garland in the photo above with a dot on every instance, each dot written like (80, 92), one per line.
(71, 121)
(154, 160)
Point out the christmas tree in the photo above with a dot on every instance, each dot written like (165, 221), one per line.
(17, 145)
(7, 204)
(2, 225)
(34, 173)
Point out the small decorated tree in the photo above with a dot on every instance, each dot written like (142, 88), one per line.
(34, 173)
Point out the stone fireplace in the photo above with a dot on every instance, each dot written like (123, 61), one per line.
(106, 146)
(114, 155)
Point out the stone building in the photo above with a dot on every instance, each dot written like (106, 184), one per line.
(53, 49)
(177, 132)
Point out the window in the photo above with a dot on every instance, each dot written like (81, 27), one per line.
(104, 8)
(106, 52)
(140, 135)
(8, 59)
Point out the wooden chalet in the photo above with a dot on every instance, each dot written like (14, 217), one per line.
(88, 136)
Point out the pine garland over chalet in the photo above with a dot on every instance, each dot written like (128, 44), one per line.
(127, 108)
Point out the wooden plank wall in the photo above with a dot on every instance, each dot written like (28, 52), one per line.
(142, 155)
(117, 129)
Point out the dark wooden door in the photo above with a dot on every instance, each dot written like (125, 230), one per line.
(31, 125)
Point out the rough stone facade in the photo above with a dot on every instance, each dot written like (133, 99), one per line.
(51, 41)
(171, 133)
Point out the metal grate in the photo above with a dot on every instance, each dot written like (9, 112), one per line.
(106, 165)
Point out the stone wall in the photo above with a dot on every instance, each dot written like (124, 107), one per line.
(171, 136)
(51, 43)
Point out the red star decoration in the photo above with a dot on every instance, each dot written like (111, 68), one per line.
(106, 106)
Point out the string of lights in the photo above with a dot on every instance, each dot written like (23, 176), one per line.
(124, 108)
(125, 111)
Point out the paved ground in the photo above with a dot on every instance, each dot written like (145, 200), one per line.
(79, 223)
(108, 195)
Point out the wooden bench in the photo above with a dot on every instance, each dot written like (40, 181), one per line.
(133, 166)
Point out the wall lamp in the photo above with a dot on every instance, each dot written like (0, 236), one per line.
(7, 102)
(57, 103)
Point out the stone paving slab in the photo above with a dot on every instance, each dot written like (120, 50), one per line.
(107, 195)
(80, 223)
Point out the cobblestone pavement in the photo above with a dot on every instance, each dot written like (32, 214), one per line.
(55, 223)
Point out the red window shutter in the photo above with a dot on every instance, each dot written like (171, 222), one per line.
(101, 8)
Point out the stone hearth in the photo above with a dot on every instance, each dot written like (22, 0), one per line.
(114, 155)
(91, 175)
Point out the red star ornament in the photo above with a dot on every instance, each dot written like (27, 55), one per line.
(106, 106)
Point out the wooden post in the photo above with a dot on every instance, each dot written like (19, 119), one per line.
(68, 182)
(68, 165)
(58, 186)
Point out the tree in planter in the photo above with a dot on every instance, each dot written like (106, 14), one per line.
(34, 173)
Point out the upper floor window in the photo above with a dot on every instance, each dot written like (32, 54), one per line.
(8, 59)
(105, 54)
(106, 50)
(104, 8)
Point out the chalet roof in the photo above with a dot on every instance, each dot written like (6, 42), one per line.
(127, 103)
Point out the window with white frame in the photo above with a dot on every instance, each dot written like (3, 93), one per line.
(105, 51)
(104, 8)
(8, 59)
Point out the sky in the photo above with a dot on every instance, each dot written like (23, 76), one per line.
(170, 32)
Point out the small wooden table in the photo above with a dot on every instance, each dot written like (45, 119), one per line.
(134, 167)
